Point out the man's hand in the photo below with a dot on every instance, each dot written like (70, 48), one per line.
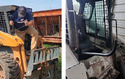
(30, 23)
(11, 23)
(26, 23)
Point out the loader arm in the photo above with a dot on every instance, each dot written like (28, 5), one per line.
(17, 46)
(13, 41)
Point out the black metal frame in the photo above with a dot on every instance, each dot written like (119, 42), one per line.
(72, 30)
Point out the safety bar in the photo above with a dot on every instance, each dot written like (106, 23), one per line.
(103, 54)
(108, 53)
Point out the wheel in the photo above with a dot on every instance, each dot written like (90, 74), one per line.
(9, 69)
(51, 74)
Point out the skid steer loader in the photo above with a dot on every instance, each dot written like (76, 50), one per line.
(41, 63)
(93, 50)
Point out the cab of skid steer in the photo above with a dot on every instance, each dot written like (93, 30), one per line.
(89, 27)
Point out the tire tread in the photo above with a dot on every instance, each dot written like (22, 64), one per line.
(12, 65)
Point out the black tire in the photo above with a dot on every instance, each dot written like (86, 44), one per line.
(9, 66)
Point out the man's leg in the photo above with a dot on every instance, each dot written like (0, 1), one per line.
(20, 34)
(34, 33)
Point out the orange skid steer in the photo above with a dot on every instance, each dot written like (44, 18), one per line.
(41, 63)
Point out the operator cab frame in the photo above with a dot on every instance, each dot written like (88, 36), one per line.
(91, 20)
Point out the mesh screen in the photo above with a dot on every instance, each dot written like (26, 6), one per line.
(2, 22)
(97, 24)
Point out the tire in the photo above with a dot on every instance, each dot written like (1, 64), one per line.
(8, 67)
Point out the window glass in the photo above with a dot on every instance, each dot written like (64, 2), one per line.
(96, 24)
(76, 6)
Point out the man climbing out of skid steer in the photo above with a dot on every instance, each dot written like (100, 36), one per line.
(22, 20)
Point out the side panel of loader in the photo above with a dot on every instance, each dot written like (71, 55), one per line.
(19, 56)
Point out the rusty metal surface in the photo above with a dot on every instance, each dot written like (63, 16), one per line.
(110, 73)
(101, 68)
(48, 23)
(54, 12)
(47, 71)
(51, 39)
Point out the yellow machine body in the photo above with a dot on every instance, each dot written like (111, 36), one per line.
(17, 46)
